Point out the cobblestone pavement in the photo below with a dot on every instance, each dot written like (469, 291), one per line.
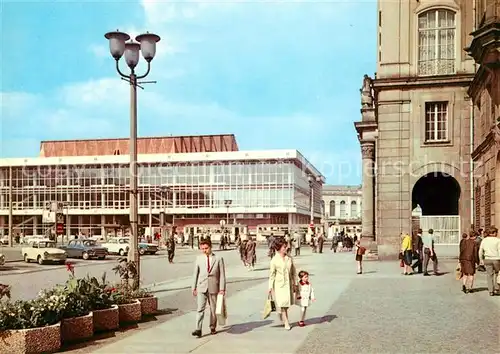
(380, 311)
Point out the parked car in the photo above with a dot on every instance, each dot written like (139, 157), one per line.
(117, 245)
(43, 251)
(147, 248)
(121, 246)
(85, 249)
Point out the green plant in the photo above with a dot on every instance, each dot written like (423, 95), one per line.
(141, 293)
(122, 295)
(47, 309)
(127, 270)
(100, 293)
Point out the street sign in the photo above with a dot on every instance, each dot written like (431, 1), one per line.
(59, 228)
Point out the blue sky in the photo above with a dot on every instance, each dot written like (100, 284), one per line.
(279, 75)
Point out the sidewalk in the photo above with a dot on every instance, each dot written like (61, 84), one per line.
(354, 314)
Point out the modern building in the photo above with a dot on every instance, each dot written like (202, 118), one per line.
(485, 92)
(342, 209)
(415, 132)
(195, 180)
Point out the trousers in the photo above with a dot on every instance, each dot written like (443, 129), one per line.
(202, 300)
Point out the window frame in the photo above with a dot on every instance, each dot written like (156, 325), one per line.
(435, 122)
(456, 39)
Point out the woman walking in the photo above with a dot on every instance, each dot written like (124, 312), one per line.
(282, 280)
(406, 247)
(468, 258)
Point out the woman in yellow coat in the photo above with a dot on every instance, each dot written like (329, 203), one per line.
(283, 280)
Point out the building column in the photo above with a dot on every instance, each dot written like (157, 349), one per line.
(368, 156)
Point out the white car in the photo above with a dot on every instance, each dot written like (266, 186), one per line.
(117, 245)
(43, 251)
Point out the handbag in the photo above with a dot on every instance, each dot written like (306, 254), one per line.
(269, 307)
(458, 272)
(221, 310)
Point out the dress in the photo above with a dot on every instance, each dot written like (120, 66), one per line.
(468, 256)
(306, 294)
(282, 275)
(250, 252)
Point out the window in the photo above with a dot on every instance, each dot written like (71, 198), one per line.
(477, 201)
(332, 208)
(354, 210)
(342, 210)
(436, 121)
(436, 42)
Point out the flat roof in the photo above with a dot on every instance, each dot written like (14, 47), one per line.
(229, 156)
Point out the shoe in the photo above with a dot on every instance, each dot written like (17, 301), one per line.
(426, 274)
(196, 333)
(492, 294)
(287, 327)
(213, 331)
(464, 289)
(301, 324)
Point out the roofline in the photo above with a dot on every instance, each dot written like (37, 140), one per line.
(264, 155)
(139, 138)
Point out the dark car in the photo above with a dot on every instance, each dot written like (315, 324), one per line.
(85, 249)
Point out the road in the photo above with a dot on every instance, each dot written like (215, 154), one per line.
(27, 279)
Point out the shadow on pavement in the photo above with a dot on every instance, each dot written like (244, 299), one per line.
(242, 328)
(319, 320)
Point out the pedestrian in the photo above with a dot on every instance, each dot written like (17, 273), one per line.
(360, 251)
(296, 243)
(468, 258)
(417, 251)
(250, 253)
(270, 244)
(171, 249)
(305, 295)
(429, 252)
(406, 248)
(335, 243)
(321, 241)
(209, 280)
(489, 251)
(282, 280)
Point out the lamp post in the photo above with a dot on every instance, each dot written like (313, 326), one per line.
(227, 203)
(118, 46)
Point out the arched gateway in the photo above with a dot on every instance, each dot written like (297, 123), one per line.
(438, 196)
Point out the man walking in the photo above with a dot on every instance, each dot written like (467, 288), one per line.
(296, 243)
(417, 251)
(171, 248)
(209, 280)
(429, 253)
(321, 241)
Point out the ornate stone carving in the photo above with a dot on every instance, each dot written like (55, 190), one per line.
(496, 135)
(367, 92)
(368, 151)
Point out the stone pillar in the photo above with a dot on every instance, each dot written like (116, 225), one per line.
(368, 156)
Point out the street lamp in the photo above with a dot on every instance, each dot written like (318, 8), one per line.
(118, 46)
(227, 203)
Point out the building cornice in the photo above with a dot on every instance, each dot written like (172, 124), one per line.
(485, 40)
(484, 146)
(416, 82)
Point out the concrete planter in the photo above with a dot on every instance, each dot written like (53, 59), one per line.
(77, 329)
(107, 319)
(30, 341)
(130, 313)
(149, 305)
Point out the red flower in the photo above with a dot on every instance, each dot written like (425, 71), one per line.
(70, 268)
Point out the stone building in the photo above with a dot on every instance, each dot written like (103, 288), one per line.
(485, 93)
(342, 207)
(415, 129)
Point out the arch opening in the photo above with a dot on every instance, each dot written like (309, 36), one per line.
(436, 193)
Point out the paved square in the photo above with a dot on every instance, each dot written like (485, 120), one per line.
(380, 311)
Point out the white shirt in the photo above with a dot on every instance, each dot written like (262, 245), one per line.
(490, 248)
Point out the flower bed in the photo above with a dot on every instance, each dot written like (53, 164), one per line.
(32, 340)
(76, 329)
(106, 319)
(130, 313)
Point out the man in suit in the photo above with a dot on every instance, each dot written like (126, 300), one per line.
(209, 280)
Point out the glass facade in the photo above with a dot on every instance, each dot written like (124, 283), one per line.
(186, 187)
